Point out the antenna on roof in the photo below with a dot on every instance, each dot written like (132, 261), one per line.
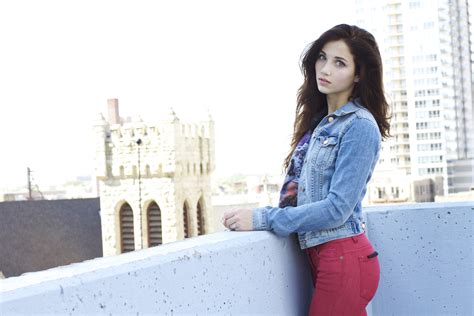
(30, 191)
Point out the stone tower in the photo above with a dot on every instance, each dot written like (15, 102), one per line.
(153, 179)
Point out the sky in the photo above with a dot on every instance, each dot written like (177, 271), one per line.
(61, 60)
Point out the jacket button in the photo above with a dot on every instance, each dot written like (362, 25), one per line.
(302, 189)
(330, 119)
(326, 142)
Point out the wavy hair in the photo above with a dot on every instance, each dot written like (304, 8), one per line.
(312, 104)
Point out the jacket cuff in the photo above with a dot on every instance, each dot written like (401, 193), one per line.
(259, 219)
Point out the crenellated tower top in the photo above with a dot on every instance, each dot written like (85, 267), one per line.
(168, 146)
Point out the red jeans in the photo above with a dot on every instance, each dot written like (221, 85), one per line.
(346, 275)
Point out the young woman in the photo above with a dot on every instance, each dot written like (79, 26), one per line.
(341, 117)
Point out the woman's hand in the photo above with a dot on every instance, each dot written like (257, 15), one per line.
(240, 219)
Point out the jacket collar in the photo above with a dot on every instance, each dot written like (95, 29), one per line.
(349, 107)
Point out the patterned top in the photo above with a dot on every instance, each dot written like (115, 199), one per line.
(289, 190)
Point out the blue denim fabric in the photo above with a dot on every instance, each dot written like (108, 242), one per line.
(340, 159)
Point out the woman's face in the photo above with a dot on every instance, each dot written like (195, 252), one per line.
(335, 70)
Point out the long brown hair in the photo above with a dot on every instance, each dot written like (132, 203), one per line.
(312, 104)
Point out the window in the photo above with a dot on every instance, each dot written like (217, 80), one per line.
(127, 239)
(430, 159)
(432, 135)
(200, 217)
(426, 125)
(186, 220)
(154, 224)
(429, 147)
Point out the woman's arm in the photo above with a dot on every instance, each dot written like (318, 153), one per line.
(358, 153)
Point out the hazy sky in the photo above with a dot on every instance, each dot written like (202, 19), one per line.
(61, 60)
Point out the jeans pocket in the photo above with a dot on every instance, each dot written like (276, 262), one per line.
(369, 277)
(329, 273)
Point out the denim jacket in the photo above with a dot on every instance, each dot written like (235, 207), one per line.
(341, 156)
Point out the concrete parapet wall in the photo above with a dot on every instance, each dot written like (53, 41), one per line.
(222, 273)
(426, 257)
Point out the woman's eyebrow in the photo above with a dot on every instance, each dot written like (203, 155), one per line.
(336, 57)
(340, 58)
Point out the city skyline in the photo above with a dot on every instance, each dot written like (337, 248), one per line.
(62, 61)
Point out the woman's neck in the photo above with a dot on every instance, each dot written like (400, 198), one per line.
(335, 102)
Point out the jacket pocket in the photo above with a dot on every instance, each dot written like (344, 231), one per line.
(327, 152)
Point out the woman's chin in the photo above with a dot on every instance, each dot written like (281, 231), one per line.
(323, 90)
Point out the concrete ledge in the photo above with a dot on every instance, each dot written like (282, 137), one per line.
(227, 272)
(426, 258)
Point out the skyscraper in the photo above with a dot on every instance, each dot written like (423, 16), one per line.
(426, 50)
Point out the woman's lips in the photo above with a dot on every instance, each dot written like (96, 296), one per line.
(324, 81)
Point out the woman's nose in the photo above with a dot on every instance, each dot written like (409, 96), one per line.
(325, 70)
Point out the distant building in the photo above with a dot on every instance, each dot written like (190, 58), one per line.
(388, 186)
(461, 175)
(80, 188)
(426, 51)
(261, 189)
(396, 186)
(456, 197)
(38, 235)
(153, 180)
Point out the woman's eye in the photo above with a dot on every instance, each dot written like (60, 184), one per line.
(321, 57)
(340, 63)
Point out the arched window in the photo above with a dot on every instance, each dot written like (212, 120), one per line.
(154, 225)
(200, 217)
(127, 239)
(186, 219)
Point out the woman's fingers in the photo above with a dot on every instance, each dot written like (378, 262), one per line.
(240, 219)
(228, 215)
(230, 219)
(227, 219)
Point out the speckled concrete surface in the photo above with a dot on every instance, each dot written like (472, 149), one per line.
(222, 273)
(425, 252)
(426, 258)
